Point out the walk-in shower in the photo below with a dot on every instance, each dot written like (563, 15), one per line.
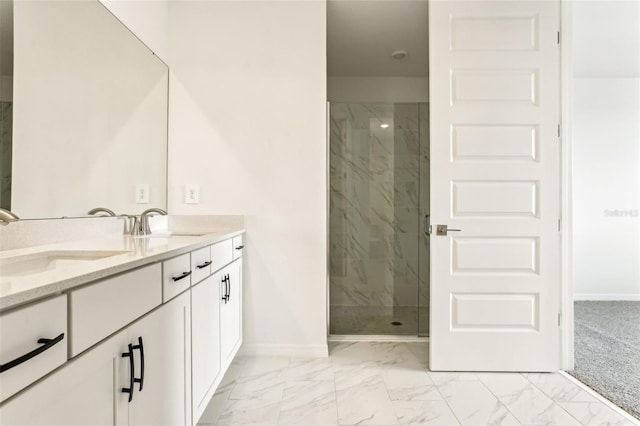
(379, 199)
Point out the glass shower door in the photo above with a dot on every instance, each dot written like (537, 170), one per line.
(376, 220)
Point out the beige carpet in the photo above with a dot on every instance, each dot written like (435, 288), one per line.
(607, 351)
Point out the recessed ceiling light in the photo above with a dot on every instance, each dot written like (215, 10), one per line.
(384, 125)
(399, 54)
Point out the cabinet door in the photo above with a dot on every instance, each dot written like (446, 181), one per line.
(231, 312)
(205, 342)
(83, 392)
(166, 388)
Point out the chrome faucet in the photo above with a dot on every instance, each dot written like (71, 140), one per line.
(7, 216)
(130, 224)
(144, 219)
(101, 210)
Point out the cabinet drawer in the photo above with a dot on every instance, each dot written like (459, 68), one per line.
(200, 264)
(21, 331)
(100, 309)
(221, 254)
(238, 246)
(176, 276)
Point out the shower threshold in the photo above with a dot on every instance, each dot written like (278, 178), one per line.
(376, 338)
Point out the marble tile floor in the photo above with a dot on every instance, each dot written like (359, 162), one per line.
(383, 384)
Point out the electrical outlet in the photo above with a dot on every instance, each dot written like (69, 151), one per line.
(142, 193)
(192, 194)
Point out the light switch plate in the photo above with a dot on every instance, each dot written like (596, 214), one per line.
(192, 193)
(142, 193)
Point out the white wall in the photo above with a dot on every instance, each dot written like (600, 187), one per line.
(378, 89)
(606, 150)
(248, 124)
(147, 19)
(606, 178)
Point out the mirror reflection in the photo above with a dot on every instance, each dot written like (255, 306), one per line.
(89, 113)
(6, 100)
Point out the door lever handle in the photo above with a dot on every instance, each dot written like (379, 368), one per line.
(443, 229)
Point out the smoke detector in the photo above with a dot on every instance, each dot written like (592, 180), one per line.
(399, 54)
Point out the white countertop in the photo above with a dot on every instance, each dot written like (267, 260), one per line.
(17, 290)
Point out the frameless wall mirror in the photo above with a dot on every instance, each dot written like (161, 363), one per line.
(89, 113)
(6, 100)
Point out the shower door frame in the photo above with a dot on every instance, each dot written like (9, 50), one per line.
(422, 230)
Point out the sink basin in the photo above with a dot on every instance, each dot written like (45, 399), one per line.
(48, 261)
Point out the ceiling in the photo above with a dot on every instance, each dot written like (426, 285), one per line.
(362, 34)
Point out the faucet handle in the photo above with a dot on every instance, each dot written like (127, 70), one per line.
(109, 212)
(131, 224)
(135, 226)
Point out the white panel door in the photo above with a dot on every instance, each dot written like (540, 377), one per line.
(494, 93)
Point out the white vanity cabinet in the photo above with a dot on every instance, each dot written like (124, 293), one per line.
(83, 392)
(238, 246)
(145, 347)
(33, 343)
(205, 343)
(88, 390)
(200, 264)
(102, 308)
(216, 325)
(163, 395)
(176, 276)
(230, 311)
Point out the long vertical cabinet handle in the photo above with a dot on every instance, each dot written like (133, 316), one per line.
(140, 346)
(224, 281)
(229, 291)
(129, 390)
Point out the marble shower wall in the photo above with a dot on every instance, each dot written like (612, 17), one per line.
(375, 213)
(6, 130)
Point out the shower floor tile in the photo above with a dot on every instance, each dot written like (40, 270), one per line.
(364, 320)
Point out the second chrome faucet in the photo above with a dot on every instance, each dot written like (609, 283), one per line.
(144, 228)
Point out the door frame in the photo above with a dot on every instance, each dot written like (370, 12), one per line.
(566, 229)
(566, 344)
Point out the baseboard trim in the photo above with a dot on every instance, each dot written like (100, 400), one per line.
(606, 297)
(601, 398)
(300, 351)
(375, 338)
